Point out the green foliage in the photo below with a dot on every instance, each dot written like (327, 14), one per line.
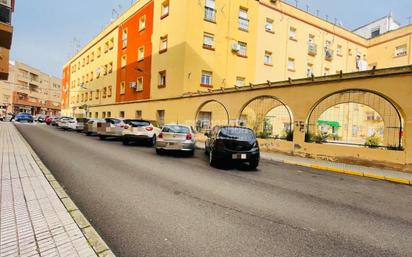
(373, 141)
(319, 138)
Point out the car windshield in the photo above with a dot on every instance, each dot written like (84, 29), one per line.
(236, 133)
(114, 121)
(176, 129)
(139, 123)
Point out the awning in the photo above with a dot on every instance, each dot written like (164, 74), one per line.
(334, 124)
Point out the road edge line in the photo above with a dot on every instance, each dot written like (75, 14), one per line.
(351, 172)
(96, 242)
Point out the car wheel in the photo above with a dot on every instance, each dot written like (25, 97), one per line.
(212, 159)
(206, 151)
(159, 151)
(153, 141)
(102, 137)
(191, 153)
(88, 134)
(253, 164)
(125, 141)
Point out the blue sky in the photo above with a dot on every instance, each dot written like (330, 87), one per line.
(44, 29)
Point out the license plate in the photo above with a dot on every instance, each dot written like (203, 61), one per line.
(170, 144)
(239, 156)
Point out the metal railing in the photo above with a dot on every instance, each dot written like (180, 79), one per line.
(312, 48)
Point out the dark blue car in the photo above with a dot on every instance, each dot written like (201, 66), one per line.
(24, 117)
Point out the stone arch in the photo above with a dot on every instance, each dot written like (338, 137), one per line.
(380, 104)
(268, 116)
(210, 114)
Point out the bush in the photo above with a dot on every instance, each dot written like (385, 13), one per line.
(373, 141)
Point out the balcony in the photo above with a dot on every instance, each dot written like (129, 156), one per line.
(312, 49)
(210, 14)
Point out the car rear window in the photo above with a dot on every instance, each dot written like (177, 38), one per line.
(139, 123)
(236, 133)
(176, 129)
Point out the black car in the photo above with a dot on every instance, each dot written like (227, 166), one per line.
(229, 143)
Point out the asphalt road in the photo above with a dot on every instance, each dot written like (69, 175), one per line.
(145, 205)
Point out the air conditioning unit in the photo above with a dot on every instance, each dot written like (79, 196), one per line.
(328, 54)
(235, 47)
(133, 85)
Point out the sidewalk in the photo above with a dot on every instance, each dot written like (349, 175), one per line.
(33, 219)
(349, 169)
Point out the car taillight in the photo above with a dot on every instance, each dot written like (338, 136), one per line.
(149, 128)
(126, 126)
(189, 137)
(160, 135)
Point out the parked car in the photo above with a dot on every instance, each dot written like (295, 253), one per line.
(40, 118)
(49, 120)
(176, 138)
(24, 117)
(55, 121)
(80, 124)
(90, 127)
(67, 123)
(228, 143)
(110, 127)
(141, 130)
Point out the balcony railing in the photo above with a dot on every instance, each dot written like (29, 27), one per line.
(243, 23)
(210, 14)
(312, 49)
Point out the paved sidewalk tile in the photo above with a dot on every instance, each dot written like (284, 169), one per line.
(33, 220)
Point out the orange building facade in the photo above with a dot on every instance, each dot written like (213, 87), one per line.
(65, 94)
(134, 58)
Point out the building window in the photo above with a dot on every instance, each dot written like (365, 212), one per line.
(292, 33)
(163, 44)
(206, 79)
(165, 9)
(96, 115)
(210, 11)
(162, 78)
(109, 91)
(111, 44)
(339, 51)
(309, 70)
(106, 47)
(91, 76)
(104, 93)
(124, 61)
(99, 52)
(121, 114)
(86, 97)
(208, 41)
(97, 94)
(240, 81)
(103, 115)
(105, 70)
(142, 23)
(268, 58)
(139, 86)
(160, 117)
(326, 72)
(401, 51)
(291, 64)
(375, 32)
(110, 67)
(124, 38)
(91, 95)
(269, 25)
(140, 54)
(122, 88)
(242, 49)
(243, 19)
(138, 115)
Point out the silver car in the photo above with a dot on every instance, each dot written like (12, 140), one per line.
(110, 127)
(176, 137)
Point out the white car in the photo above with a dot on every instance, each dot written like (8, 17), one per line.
(141, 130)
(176, 137)
(67, 123)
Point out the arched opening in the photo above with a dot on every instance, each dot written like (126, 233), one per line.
(357, 118)
(209, 114)
(268, 117)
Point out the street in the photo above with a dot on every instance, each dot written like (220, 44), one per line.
(146, 205)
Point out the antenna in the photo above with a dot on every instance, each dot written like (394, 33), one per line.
(409, 19)
(296, 3)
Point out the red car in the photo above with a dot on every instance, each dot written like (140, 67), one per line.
(49, 120)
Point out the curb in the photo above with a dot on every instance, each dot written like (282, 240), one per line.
(93, 238)
(352, 172)
(339, 170)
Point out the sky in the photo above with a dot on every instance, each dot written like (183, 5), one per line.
(45, 30)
